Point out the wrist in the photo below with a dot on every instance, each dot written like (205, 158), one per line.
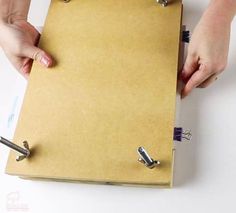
(11, 11)
(12, 18)
(221, 10)
(4, 10)
(2, 21)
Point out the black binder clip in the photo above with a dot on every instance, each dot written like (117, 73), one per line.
(164, 3)
(146, 159)
(180, 134)
(186, 36)
(25, 152)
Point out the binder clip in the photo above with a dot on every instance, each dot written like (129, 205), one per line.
(146, 159)
(25, 152)
(164, 3)
(180, 134)
(186, 36)
(66, 1)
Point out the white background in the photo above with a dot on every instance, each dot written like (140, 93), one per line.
(205, 170)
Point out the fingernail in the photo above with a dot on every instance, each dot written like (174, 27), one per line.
(45, 61)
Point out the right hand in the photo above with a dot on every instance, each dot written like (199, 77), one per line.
(18, 40)
(207, 52)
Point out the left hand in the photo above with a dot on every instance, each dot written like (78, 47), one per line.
(19, 42)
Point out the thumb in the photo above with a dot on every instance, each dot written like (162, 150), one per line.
(190, 66)
(38, 55)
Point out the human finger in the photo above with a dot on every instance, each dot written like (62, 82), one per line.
(190, 66)
(195, 80)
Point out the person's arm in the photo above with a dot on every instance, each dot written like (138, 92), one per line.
(18, 38)
(209, 45)
(11, 10)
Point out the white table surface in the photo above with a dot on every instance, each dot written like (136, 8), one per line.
(205, 169)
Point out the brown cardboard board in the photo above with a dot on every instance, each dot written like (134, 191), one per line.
(112, 90)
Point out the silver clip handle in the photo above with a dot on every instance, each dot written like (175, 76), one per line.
(25, 152)
(164, 3)
(146, 159)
